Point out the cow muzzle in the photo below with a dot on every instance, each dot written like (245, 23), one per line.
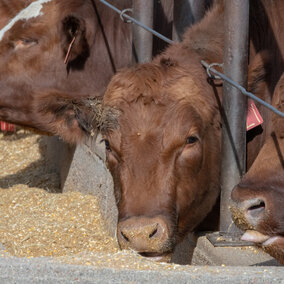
(148, 236)
(251, 209)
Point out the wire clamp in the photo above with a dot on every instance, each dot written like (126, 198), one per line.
(122, 15)
(208, 71)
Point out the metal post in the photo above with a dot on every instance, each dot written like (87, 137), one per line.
(234, 106)
(142, 40)
(186, 13)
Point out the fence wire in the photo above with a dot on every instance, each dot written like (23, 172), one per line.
(210, 69)
(123, 15)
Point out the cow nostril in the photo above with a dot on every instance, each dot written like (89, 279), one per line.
(124, 237)
(259, 206)
(256, 208)
(153, 233)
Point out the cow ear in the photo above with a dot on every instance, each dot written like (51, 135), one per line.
(73, 119)
(70, 118)
(74, 42)
(91, 115)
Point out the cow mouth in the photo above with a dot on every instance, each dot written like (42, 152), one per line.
(261, 239)
(159, 257)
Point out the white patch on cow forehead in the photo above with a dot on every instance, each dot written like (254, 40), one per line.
(32, 11)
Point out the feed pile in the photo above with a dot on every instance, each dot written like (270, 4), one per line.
(35, 222)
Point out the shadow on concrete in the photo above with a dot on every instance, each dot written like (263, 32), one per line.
(36, 174)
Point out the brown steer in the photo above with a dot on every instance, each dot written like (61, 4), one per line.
(53, 53)
(165, 153)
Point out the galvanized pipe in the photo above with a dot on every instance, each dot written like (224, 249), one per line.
(142, 39)
(234, 106)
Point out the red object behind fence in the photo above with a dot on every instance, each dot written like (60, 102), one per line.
(253, 116)
(8, 127)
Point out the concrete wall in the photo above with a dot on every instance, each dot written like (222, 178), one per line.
(83, 169)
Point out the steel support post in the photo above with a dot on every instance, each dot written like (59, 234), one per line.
(142, 40)
(234, 106)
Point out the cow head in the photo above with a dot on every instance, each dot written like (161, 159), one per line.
(52, 55)
(260, 195)
(164, 154)
(259, 199)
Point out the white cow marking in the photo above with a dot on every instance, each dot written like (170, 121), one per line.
(32, 11)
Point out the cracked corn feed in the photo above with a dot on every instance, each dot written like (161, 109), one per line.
(35, 222)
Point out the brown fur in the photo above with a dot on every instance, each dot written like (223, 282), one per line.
(34, 81)
(156, 172)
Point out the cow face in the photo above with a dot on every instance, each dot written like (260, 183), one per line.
(54, 52)
(260, 195)
(164, 156)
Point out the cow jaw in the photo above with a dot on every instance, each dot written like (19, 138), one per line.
(274, 245)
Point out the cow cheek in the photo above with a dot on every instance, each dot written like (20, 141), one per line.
(185, 206)
(272, 222)
(190, 160)
(276, 204)
(111, 162)
(189, 168)
(114, 168)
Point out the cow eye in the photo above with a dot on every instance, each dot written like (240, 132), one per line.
(107, 145)
(28, 41)
(191, 139)
(25, 42)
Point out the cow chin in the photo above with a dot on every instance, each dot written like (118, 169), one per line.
(254, 216)
(151, 237)
(164, 257)
(275, 247)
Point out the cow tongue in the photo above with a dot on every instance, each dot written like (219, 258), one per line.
(254, 236)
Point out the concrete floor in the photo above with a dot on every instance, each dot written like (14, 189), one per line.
(45, 270)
